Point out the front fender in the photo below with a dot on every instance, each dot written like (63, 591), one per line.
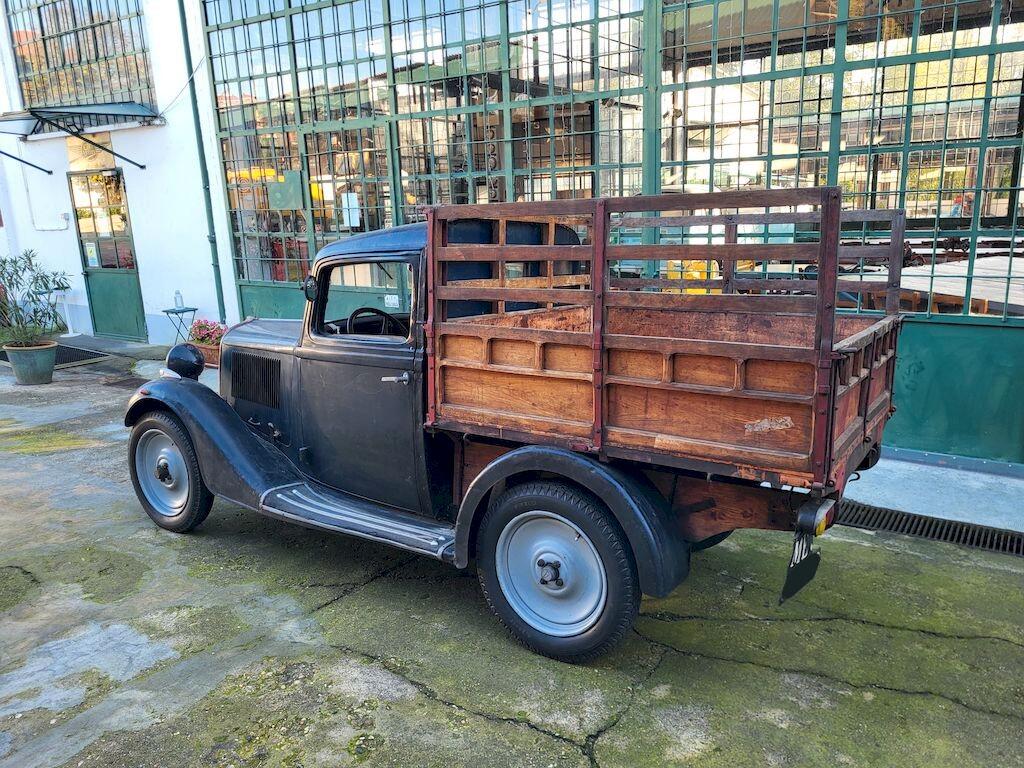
(234, 462)
(662, 555)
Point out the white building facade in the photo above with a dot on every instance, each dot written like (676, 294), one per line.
(131, 239)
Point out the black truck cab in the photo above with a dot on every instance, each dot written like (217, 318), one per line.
(320, 421)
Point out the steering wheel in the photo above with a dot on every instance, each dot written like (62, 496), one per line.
(385, 320)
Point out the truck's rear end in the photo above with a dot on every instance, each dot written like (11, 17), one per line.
(724, 358)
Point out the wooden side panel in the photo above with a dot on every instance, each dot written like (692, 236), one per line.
(510, 352)
(750, 327)
(516, 401)
(475, 458)
(468, 348)
(705, 508)
(779, 376)
(564, 357)
(707, 370)
(745, 423)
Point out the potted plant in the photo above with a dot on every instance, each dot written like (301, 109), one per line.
(29, 316)
(206, 335)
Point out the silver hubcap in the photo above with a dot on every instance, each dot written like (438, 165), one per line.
(551, 574)
(161, 470)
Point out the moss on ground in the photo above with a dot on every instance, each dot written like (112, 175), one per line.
(700, 712)
(327, 711)
(313, 567)
(190, 629)
(16, 584)
(40, 440)
(104, 574)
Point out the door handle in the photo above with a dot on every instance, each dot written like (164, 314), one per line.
(403, 379)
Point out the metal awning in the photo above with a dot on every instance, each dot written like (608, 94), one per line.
(73, 120)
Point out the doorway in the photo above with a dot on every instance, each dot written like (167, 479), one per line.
(108, 254)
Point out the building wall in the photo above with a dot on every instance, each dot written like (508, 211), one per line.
(165, 199)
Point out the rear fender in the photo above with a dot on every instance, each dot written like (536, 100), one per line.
(234, 462)
(662, 555)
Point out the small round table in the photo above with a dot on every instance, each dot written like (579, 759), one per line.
(181, 318)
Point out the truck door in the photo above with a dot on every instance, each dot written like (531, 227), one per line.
(360, 382)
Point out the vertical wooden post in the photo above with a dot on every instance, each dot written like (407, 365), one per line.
(892, 293)
(824, 332)
(597, 283)
(728, 265)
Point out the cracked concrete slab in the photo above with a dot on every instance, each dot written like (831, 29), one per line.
(256, 643)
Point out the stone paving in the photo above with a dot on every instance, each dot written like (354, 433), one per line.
(255, 643)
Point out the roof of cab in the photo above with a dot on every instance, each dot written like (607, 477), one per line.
(408, 237)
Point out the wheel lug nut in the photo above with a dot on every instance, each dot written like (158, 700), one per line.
(559, 583)
(541, 563)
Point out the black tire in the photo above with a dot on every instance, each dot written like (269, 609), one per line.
(622, 603)
(199, 499)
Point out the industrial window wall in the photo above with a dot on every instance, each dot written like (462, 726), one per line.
(341, 117)
(70, 52)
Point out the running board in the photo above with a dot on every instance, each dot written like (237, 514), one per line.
(340, 512)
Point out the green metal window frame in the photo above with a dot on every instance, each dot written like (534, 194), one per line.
(72, 53)
(567, 98)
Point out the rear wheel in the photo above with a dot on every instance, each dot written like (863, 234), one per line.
(557, 570)
(165, 472)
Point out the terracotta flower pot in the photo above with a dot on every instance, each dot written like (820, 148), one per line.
(211, 353)
(32, 365)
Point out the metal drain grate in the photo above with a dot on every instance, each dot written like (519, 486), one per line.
(857, 515)
(67, 357)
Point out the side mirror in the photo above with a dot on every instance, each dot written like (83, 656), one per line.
(309, 288)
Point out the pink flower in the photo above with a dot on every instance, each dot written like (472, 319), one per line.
(207, 332)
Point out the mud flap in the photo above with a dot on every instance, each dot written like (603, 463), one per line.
(802, 566)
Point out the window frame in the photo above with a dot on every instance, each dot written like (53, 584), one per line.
(323, 272)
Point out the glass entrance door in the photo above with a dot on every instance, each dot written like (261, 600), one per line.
(108, 254)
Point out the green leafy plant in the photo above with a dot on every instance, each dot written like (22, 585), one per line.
(28, 301)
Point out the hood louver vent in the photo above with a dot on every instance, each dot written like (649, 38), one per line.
(256, 378)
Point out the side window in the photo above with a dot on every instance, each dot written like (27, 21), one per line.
(369, 298)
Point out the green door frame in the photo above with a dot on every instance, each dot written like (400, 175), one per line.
(88, 272)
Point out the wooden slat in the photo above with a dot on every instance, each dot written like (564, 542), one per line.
(570, 338)
(770, 217)
(706, 389)
(516, 369)
(699, 220)
(546, 281)
(707, 449)
(860, 215)
(862, 338)
(514, 253)
(512, 211)
(854, 253)
(699, 201)
(733, 349)
(775, 284)
(715, 252)
(718, 302)
(862, 286)
(538, 295)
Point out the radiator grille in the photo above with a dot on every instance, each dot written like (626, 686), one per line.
(256, 378)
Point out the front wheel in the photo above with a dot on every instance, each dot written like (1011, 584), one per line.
(557, 570)
(165, 473)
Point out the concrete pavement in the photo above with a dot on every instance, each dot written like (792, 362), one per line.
(256, 643)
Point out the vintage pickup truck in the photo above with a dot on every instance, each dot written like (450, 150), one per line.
(489, 387)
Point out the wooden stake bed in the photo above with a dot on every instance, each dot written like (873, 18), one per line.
(655, 329)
